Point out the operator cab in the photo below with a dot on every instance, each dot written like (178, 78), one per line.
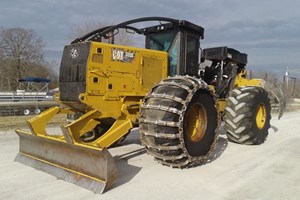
(181, 41)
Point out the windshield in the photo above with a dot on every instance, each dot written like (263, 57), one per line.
(160, 41)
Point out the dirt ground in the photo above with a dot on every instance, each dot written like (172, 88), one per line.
(268, 171)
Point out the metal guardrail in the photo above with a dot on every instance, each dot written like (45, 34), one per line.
(25, 103)
(25, 96)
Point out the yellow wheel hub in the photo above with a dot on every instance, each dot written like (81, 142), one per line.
(261, 116)
(197, 122)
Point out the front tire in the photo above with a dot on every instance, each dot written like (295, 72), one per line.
(248, 115)
(179, 122)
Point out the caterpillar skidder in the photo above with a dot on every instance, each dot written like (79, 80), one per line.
(176, 97)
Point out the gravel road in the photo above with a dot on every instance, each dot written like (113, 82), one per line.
(268, 171)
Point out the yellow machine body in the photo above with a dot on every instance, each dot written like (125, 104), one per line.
(116, 80)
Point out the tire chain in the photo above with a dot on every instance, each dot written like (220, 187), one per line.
(190, 161)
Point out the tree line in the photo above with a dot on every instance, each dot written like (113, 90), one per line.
(289, 84)
(21, 56)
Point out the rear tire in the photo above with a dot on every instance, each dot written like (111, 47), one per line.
(179, 122)
(247, 115)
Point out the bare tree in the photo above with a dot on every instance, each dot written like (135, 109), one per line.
(21, 55)
(291, 91)
(52, 73)
(268, 75)
(292, 86)
(121, 38)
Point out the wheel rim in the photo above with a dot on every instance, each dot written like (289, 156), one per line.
(197, 122)
(26, 112)
(261, 116)
(37, 111)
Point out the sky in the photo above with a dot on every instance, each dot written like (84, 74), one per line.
(267, 30)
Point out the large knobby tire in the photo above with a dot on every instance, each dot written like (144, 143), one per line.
(248, 115)
(179, 122)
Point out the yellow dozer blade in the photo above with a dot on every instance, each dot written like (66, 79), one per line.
(90, 167)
